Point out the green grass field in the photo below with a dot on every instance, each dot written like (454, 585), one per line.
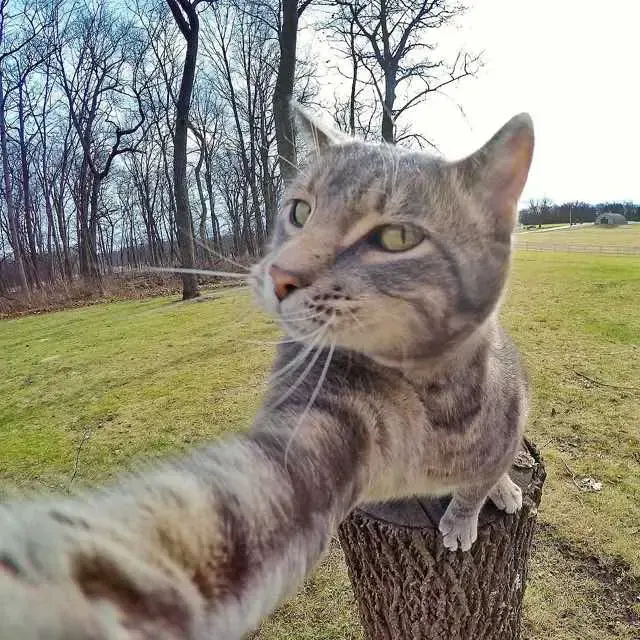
(136, 380)
(626, 236)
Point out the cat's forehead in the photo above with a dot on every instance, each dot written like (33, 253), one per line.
(357, 171)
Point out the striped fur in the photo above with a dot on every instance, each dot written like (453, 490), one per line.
(410, 386)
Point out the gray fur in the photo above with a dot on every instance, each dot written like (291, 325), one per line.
(397, 380)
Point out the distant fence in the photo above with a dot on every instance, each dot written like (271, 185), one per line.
(579, 248)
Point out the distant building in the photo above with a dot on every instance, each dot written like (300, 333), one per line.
(610, 218)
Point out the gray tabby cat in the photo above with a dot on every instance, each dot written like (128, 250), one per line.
(386, 272)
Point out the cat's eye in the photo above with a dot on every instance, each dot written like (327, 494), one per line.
(397, 237)
(300, 212)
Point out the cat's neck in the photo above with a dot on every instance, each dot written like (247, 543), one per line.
(426, 369)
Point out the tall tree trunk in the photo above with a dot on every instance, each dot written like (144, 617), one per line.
(26, 190)
(388, 125)
(285, 137)
(82, 218)
(215, 224)
(189, 27)
(64, 236)
(172, 201)
(247, 159)
(8, 195)
(53, 248)
(202, 225)
(92, 254)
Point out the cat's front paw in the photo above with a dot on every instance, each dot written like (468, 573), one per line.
(64, 577)
(506, 495)
(458, 529)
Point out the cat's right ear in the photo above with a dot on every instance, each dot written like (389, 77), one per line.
(318, 135)
(498, 171)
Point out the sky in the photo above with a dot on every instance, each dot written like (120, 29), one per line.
(574, 65)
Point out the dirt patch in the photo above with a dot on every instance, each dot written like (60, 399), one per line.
(574, 589)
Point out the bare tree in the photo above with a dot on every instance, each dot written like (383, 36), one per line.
(206, 125)
(287, 39)
(112, 145)
(26, 30)
(100, 75)
(186, 16)
(393, 42)
(282, 17)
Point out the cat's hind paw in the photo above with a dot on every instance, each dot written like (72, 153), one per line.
(506, 495)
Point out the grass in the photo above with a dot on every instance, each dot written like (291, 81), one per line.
(144, 378)
(593, 236)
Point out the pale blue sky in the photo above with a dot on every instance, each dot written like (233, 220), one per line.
(574, 65)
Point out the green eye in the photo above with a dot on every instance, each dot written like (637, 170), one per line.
(397, 237)
(300, 212)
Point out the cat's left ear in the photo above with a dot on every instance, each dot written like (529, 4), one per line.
(498, 171)
(318, 135)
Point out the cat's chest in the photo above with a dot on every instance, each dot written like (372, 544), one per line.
(443, 409)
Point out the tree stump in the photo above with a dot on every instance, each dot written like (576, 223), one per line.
(410, 587)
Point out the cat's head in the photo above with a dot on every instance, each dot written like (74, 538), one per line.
(394, 253)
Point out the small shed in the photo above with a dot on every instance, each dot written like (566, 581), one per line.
(609, 218)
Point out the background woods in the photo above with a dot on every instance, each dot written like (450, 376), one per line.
(159, 133)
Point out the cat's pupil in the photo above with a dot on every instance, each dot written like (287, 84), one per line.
(398, 237)
(300, 213)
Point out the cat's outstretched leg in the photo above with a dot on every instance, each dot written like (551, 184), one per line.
(506, 495)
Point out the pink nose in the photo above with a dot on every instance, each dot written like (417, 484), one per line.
(284, 282)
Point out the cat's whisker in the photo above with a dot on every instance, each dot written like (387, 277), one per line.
(355, 318)
(299, 340)
(287, 161)
(293, 364)
(198, 272)
(292, 339)
(300, 316)
(206, 247)
(312, 399)
(300, 379)
(297, 360)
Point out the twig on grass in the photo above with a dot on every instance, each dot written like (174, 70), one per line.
(53, 487)
(573, 478)
(602, 384)
(85, 436)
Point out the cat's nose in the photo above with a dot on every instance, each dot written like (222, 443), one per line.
(284, 282)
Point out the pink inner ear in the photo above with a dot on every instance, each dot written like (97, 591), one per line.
(507, 174)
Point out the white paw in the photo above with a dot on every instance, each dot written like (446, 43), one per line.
(506, 495)
(458, 530)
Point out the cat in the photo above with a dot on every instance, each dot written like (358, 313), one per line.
(386, 271)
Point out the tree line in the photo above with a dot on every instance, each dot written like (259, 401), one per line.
(544, 211)
(158, 132)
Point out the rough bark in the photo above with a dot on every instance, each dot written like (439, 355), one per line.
(408, 586)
